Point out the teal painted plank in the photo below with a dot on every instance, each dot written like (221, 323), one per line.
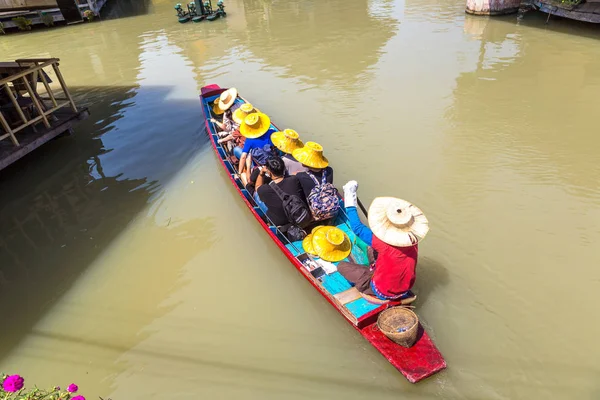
(296, 249)
(360, 307)
(335, 283)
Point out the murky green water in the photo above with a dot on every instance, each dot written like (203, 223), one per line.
(128, 265)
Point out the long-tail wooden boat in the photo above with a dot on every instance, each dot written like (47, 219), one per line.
(418, 362)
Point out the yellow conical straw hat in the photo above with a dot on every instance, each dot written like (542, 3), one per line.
(307, 242)
(255, 125)
(397, 222)
(311, 155)
(243, 111)
(216, 109)
(287, 141)
(226, 99)
(331, 243)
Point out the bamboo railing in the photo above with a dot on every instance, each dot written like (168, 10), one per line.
(26, 81)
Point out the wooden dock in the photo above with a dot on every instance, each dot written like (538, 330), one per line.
(587, 11)
(31, 140)
(28, 117)
(33, 11)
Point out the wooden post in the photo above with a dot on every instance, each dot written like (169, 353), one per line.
(92, 6)
(8, 130)
(64, 86)
(48, 88)
(492, 7)
(36, 103)
(15, 103)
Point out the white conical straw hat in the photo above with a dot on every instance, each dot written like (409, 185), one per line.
(397, 222)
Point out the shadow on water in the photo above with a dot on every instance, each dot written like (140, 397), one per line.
(539, 20)
(65, 203)
(125, 8)
(430, 276)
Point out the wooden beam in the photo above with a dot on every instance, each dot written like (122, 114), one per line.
(15, 103)
(25, 72)
(8, 130)
(66, 103)
(36, 60)
(48, 88)
(36, 102)
(91, 6)
(56, 98)
(64, 87)
(30, 122)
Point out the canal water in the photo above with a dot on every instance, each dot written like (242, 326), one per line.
(129, 266)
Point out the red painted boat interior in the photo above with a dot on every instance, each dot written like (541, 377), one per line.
(418, 362)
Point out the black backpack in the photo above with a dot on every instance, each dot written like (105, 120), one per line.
(295, 209)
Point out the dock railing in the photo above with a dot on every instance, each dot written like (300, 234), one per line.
(28, 106)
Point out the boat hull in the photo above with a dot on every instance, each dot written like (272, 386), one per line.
(416, 363)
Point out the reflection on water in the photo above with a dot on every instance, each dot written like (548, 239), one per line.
(307, 42)
(131, 268)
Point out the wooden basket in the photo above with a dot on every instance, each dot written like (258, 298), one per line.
(400, 325)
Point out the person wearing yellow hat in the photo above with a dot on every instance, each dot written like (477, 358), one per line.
(287, 141)
(222, 106)
(225, 101)
(329, 243)
(240, 114)
(395, 228)
(254, 128)
(235, 139)
(317, 166)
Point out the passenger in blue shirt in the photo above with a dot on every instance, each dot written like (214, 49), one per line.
(256, 128)
(257, 143)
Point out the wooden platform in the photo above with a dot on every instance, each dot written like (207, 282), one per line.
(30, 140)
(7, 15)
(589, 11)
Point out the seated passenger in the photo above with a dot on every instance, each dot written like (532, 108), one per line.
(254, 129)
(288, 141)
(257, 157)
(235, 138)
(317, 166)
(396, 226)
(222, 106)
(267, 198)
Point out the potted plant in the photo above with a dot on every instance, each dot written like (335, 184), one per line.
(89, 14)
(22, 23)
(47, 19)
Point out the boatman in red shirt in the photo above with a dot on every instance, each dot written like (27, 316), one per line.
(395, 228)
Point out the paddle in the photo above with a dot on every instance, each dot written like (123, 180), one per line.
(362, 207)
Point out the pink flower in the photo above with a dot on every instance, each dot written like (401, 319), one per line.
(13, 383)
(72, 388)
(78, 398)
